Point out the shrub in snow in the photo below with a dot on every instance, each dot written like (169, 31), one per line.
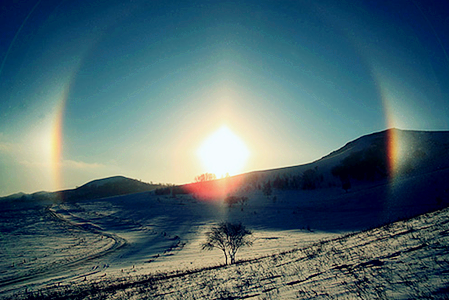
(229, 238)
(231, 200)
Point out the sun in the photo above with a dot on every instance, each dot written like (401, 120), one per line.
(223, 153)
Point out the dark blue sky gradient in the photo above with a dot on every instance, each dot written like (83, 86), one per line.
(140, 84)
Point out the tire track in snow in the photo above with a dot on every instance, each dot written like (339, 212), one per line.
(118, 242)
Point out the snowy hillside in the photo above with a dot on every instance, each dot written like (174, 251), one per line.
(79, 243)
(425, 151)
(403, 260)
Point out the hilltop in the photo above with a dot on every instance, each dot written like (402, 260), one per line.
(95, 189)
(409, 152)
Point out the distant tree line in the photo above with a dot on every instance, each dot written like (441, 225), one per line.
(370, 164)
(310, 179)
(374, 163)
(200, 183)
(205, 177)
(171, 190)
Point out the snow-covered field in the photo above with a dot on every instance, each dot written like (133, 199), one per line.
(320, 243)
(135, 234)
(96, 245)
(404, 260)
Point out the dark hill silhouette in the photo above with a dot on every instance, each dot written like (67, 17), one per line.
(96, 189)
(425, 150)
(372, 159)
(107, 187)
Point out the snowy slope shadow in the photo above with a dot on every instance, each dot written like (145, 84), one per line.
(406, 259)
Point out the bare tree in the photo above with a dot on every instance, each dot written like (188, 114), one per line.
(228, 238)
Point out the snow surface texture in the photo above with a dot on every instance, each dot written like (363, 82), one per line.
(148, 245)
(73, 243)
(404, 260)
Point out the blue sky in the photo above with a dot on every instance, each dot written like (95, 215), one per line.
(90, 89)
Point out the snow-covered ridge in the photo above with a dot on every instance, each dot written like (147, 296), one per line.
(106, 181)
(434, 143)
(96, 189)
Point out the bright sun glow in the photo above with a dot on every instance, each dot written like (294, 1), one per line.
(223, 152)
